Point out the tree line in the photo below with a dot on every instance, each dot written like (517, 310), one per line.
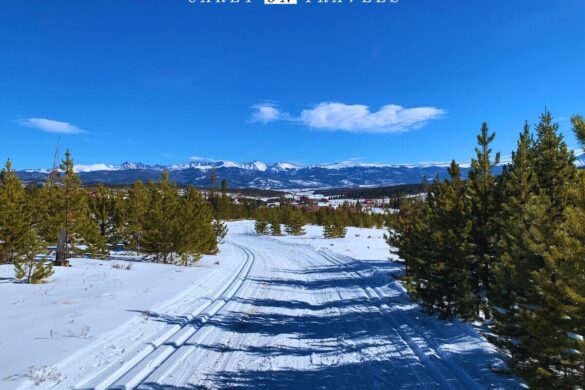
(153, 219)
(509, 249)
(334, 220)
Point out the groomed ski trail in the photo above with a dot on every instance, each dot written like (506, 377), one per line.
(293, 316)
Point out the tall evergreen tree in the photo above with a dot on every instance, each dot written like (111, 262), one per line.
(557, 330)
(540, 321)
(261, 224)
(274, 221)
(137, 206)
(555, 322)
(196, 234)
(483, 212)
(16, 225)
(516, 262)
(107, 211)
(68, 216)
(554, 165)
(162, 220)
(450, 288)
(410, 240)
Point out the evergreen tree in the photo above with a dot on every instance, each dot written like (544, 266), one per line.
(552, 347)
(195, 230)
(514, 287)
(449, 288)
(410, 240)
(579, 128)
(261, 224)
(67, 216)
(27, 268)
(16, 226)
(274, 222)
(294, 222)
(554, 165)
(107, 211)
(334, 225)
(136, 209)
(220, 229)
(162, 220)
(557, 330)
(539, 352)
(483, 212)
(71, 214)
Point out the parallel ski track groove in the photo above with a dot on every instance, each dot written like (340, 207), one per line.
(134, 371)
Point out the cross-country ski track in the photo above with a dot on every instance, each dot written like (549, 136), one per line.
(292, 314)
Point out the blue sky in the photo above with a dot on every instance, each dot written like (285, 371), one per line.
(162, 81)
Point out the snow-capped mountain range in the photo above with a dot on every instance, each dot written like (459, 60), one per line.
(257, 174)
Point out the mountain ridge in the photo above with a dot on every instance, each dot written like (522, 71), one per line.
(257, 174)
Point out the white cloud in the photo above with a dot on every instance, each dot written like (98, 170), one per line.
(267, 113)
(51, 126)
(199, 158)
(358, 118)
(390, 118)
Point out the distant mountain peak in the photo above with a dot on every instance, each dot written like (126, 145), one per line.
(258, 174)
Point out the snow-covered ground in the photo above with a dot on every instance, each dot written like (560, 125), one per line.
(83, 305)
(285, 312)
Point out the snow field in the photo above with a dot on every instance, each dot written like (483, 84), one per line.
(278, 312)
(87, 306)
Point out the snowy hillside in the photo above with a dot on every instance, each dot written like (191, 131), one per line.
(287, 312)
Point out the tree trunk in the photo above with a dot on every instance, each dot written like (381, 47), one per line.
(61, 257)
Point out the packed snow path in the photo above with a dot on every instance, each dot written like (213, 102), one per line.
(295, 316)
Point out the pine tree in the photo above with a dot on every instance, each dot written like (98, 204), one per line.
(27, 268)
(540, 351)
(162, 220)
(136, 209)
(558, 335)
(449, 288)
(410, 240)
(483, 211)
(555, 324)
(294, 222)
(16, 226)
(274, 222)
(554, 165)
(579, 128)
(107, 211)
(196, 235)
(261, 224)
(514, 288)
(220, 229)
(334, 225)
(68, 216)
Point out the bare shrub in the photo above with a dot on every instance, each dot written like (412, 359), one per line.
(84, 333)
(125, 266)
(42, 374)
